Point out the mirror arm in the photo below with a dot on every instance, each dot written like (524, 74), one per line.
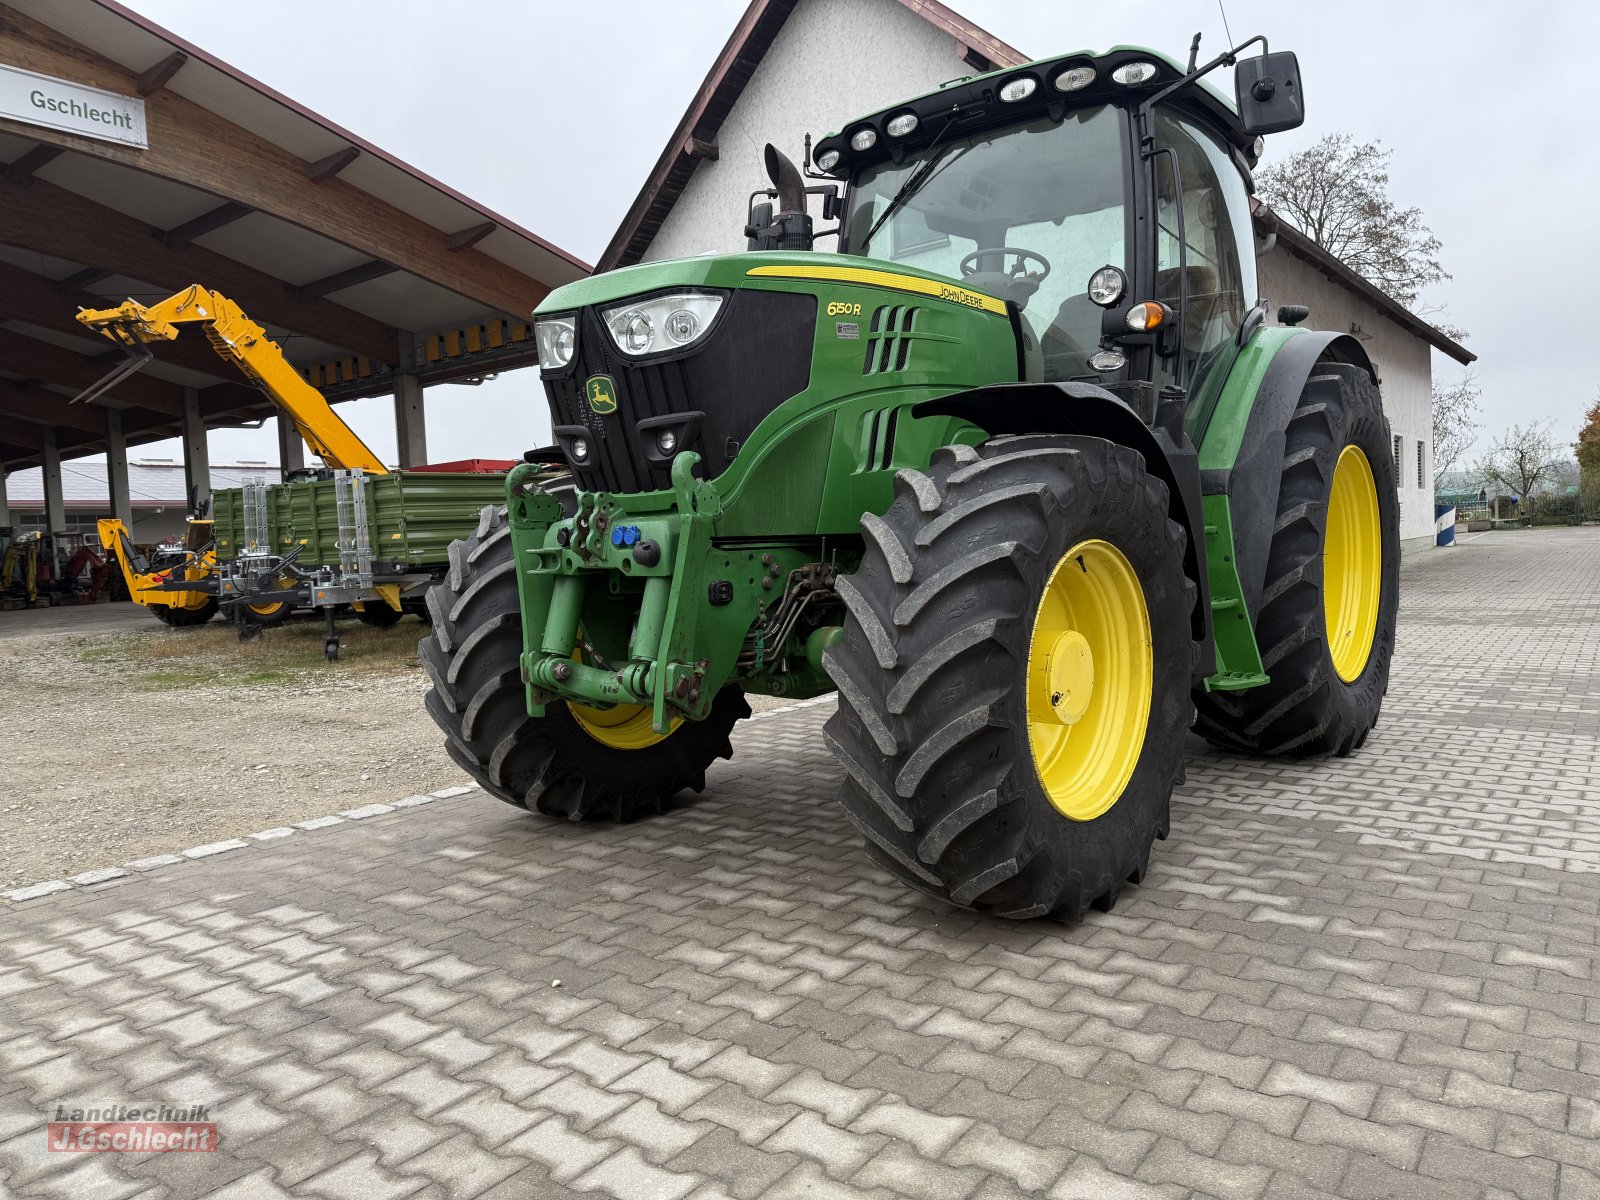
(1226, 59)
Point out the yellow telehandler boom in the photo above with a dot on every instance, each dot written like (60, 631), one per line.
(237, 338)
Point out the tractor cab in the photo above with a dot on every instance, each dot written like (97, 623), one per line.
(1105, 198)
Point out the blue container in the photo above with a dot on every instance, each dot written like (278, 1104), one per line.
(1444, 524)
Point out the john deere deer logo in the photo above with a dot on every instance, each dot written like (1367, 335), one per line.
(601, 393)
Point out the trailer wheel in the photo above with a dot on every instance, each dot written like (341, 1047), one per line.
(184, 618)
(1326, 625)
(1014, 675)
(267, 613)
(378, 614)
(573, 762)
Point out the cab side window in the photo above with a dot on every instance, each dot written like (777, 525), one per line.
(1204, 240)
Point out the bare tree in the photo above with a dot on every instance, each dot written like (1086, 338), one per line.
(1522, 458)
(1455, 421)
(1337, 194)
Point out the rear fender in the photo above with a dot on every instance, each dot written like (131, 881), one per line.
(1090, 411)
(1247, 466)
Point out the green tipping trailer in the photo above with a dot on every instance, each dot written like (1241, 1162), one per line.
(412, 517)
(372, 542)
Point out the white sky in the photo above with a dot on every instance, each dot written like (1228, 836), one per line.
(552, 113)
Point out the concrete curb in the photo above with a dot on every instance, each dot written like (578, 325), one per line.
(51, 887)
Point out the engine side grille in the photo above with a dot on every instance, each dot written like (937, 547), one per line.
(888, 347)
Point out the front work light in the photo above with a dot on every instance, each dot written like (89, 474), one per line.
(558, 340)
(900, 126)
(1131, 73)
(827, 160)
(863, 139)
(665, 322)
(1019, 88)
(1075, 79)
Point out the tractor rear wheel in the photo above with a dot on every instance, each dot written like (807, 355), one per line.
(183, 618)
(573, 762)
(1014, 676)
(1326, 625)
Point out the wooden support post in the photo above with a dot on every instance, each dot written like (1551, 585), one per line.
(410, 422)
(55, 504)
(196, 452)
(117, 468)
(291, 447)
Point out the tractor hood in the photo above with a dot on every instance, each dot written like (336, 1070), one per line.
(766, 270)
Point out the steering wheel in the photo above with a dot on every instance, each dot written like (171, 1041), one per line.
(969, 264)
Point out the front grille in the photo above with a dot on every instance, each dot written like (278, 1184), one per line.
(757, 356)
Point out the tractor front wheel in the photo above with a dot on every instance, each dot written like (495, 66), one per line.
(1014, 675)
(1326, 624)
(573, 762)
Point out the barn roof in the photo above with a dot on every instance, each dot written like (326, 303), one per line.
(359, 264)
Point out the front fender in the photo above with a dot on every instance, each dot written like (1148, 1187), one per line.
(1090, 411)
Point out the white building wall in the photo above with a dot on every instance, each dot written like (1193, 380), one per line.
(833, 61)
(1405, 368)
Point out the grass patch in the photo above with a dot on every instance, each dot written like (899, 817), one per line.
(164, 659)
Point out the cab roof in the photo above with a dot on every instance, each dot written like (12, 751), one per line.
(975, 103)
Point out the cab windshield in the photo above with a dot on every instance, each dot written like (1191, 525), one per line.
(1055, 190)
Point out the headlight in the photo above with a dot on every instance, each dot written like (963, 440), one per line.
(902, 125)
(558, 339)
(863, 139)
(827, 160)
(661, 323)
(1106, 286)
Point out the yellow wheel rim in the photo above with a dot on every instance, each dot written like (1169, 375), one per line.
(625, 727)
(1091, 673)
(267, 610)
(1352, 564)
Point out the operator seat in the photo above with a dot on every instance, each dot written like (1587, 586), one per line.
(1071, 338)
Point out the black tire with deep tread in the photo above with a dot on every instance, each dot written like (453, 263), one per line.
(1307, 709)
(546, 764)
(378, 614)
(932, 721)
(185, 618)
(271, 619)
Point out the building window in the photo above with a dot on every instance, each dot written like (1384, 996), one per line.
(1399, 445)
(1422, 463)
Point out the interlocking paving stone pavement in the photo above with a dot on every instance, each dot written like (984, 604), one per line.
(1364, 978)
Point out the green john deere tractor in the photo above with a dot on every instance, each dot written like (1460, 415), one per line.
(1021, 471)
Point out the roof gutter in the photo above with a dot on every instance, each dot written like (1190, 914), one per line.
(1308, 251)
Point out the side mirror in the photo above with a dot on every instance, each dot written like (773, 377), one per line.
(1268, 91)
